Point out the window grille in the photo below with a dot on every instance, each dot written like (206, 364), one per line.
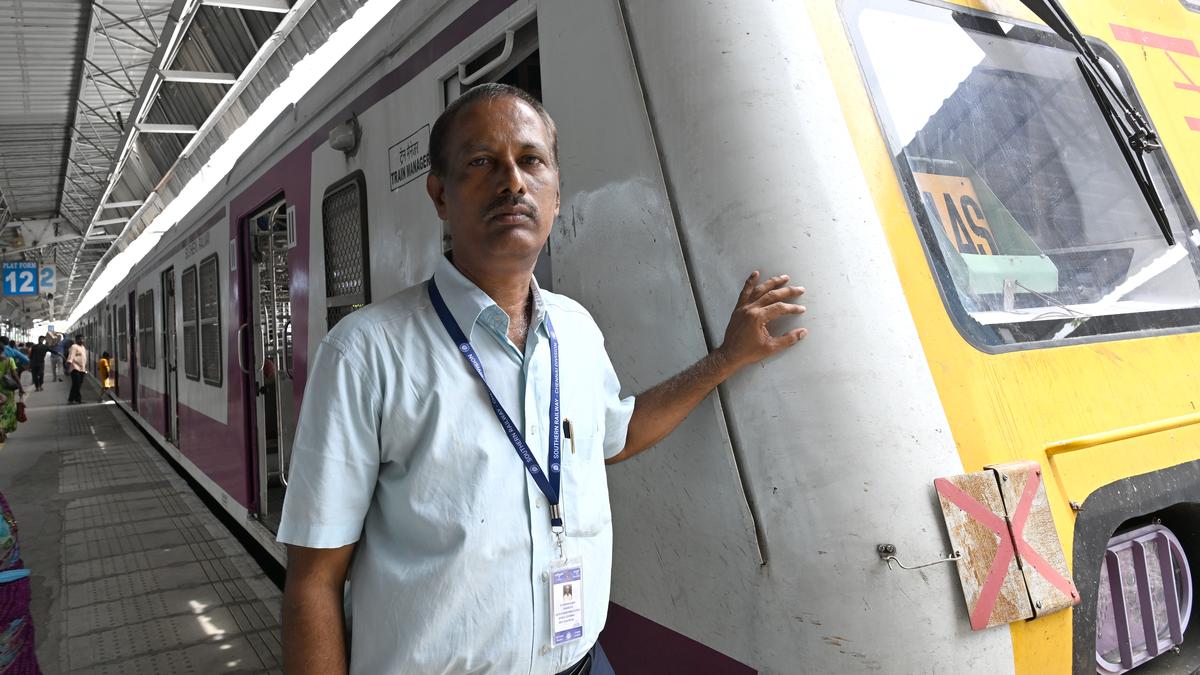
(347, 267)
(141, 329)
(210, 321)
(191, 325)
(146, 322)
(122, 329)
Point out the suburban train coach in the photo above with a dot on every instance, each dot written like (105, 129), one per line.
(985, 457)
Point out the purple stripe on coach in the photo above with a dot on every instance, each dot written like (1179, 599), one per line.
(636, 645)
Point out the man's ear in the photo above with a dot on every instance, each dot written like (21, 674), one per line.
(437, 192)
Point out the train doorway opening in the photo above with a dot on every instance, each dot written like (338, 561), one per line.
(521, 68)
(170, 358)
(267, 237)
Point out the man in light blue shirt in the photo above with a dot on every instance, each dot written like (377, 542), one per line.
(450, 457)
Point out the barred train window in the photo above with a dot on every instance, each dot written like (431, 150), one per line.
(191, 325)
(210, 321)
(122, 328)
(146, 337)
(140, 325)
(1031, 219)
(347, 268)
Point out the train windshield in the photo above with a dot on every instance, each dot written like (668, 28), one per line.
(1031, 218)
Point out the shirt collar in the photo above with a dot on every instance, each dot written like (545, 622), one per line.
(467, 302)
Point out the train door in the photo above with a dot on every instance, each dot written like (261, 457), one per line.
(134, 354)
(513, 59)
(267, 236)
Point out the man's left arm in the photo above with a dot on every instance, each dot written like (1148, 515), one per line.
(659, 410)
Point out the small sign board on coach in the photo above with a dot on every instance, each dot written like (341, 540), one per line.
(19, 278)
(408, 160)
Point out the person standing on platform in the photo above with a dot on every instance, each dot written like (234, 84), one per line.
(17, 644)
(37, 362)
(450, 461)
(8, 407)
(104, 371)
(12, 349)
(56, 356)
(76, 367)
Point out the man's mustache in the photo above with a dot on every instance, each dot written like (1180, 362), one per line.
(508, 203)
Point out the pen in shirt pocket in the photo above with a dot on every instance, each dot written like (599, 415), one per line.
(569, 432)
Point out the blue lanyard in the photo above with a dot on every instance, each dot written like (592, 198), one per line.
(548, 486)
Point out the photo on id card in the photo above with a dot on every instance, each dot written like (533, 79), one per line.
(566, 602)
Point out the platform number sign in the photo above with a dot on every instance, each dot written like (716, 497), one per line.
(20, 278)
(46, 279)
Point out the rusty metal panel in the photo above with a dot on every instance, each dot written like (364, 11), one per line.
(1039, 551)
(992, 582)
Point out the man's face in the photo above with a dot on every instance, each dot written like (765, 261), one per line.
(500, 194)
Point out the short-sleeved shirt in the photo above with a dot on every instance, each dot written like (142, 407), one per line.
(399, 450)
(77, 358)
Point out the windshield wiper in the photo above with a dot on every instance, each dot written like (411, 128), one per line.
(1133, 133)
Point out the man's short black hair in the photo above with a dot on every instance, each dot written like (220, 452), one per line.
(438, 136)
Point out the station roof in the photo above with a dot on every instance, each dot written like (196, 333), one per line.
(111, 106)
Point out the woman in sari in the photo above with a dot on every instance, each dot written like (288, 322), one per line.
(8, 409)
(17, 655)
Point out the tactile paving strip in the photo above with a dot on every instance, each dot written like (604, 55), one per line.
(152, 583)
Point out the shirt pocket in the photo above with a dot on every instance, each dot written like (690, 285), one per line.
(585, 484)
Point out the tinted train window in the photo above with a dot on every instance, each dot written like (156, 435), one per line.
(191, 325)
(1028, 211)
(347, 266)
(210, 321)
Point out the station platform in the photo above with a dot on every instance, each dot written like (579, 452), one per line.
(131, 572)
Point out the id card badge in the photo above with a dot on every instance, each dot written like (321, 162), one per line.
(566, 602)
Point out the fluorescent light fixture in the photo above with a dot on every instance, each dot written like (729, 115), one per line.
(305, 73)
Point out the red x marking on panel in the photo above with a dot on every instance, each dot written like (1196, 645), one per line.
(990, 590)
(1004, 551)
(1026, 552)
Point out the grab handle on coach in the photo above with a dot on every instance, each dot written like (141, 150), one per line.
(468, 80)
(241, 359)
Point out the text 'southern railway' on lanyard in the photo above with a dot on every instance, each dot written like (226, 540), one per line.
(549, 486)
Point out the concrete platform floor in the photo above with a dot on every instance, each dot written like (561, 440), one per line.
(131, 572)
